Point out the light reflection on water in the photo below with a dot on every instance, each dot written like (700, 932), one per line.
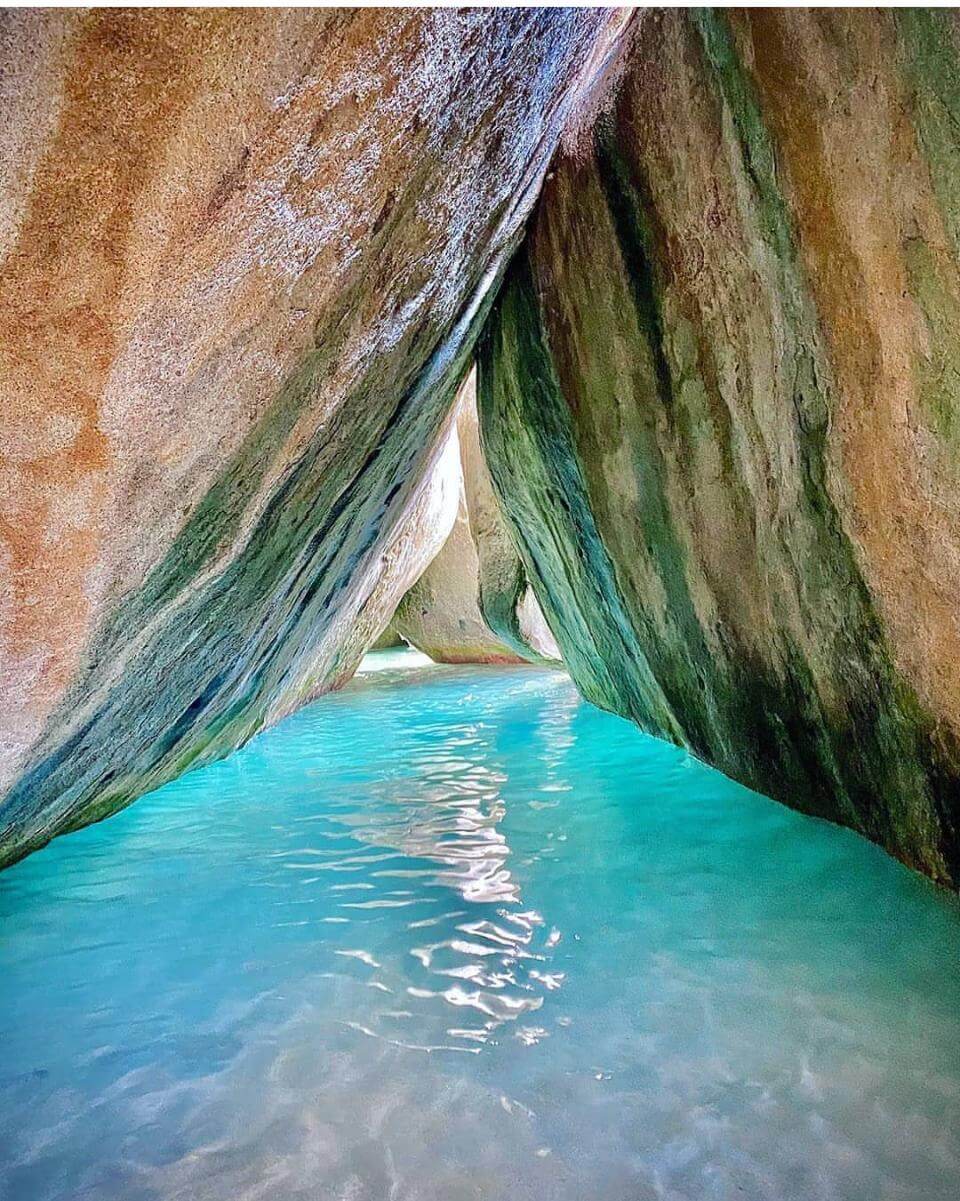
(453, 933)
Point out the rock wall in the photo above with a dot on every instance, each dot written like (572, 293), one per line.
(370, 596)
(506, 600)
(439, 615)
(473, 603)
(243, 258)
(720, 397)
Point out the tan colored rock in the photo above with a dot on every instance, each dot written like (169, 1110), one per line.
(388, 640)
(245, 256)
(507, 602)
(477, 573)
(440, 614)
(720, 399)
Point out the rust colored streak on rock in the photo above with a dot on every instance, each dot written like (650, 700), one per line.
(130, 75)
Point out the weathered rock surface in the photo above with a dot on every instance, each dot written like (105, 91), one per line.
(476, 588)
(244, 257)
(720, 396)
(440, 615)
(372, 594)
(506, 600)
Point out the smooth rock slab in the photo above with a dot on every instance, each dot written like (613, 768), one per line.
(245, 254)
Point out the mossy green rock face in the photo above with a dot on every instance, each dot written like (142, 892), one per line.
(243, 259)
(719, 397)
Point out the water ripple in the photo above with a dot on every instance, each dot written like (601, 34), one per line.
(453, 934)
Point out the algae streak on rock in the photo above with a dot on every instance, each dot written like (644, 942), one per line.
(244, 258)
(720, 400)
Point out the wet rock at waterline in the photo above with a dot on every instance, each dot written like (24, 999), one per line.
(721, 407)
(473, 604)
(245, 255)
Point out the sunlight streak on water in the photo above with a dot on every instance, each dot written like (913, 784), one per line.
(453, 933)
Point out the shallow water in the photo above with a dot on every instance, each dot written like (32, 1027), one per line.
(453, 933)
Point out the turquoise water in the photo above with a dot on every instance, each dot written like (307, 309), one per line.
(453, 933)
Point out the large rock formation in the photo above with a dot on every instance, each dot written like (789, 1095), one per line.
(244, 257)
(506, 600)
(473, 603)
(721, 401)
